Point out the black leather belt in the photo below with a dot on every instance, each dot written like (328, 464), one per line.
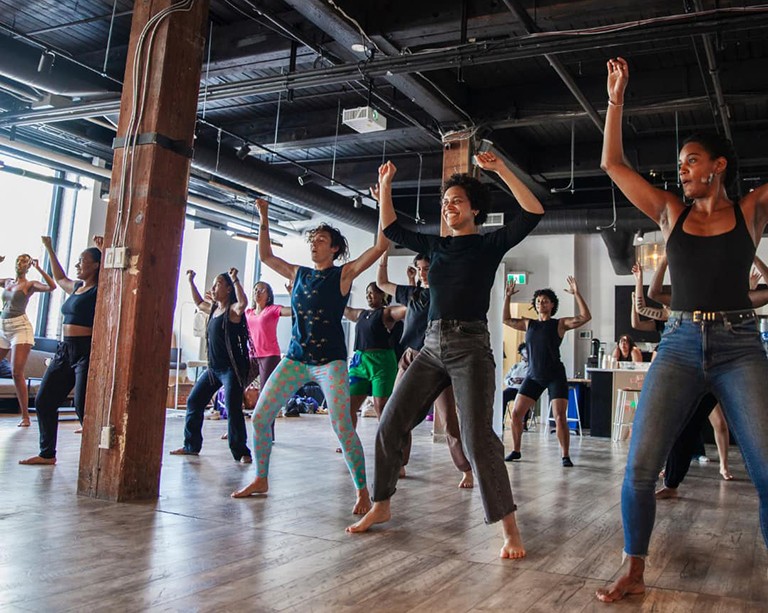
(707, 316)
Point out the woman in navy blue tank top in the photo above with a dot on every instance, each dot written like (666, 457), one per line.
(711, 342)
(318, 350)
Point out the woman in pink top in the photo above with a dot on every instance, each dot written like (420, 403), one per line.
(262, 318)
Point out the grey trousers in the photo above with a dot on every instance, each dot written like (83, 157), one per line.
(455, 353)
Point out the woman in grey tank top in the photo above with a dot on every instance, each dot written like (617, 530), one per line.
(16, 333)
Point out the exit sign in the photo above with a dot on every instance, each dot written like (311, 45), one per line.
(520, 278)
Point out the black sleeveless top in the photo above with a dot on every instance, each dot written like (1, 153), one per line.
(370, 331)
(711, 273)
(543, 343)
(80, 309)
(218, 354)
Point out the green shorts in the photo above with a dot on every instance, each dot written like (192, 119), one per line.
(372, 373)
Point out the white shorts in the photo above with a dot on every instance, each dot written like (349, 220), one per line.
(16, 331)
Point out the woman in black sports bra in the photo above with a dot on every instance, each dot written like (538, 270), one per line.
(69, 367)
(711, 342)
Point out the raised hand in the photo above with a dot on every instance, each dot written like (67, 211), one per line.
(488, 161)
(572, 287)
(511, 289)
(262, 206)
(386, 173)
(47, 242)
(191, 275)
(637, 270)
(98, 241)
(411, 272)
(754, 278)
(375, 191)
(34, 264)
(2, 258)
(618, 77)
(233, 274)
(289, 287)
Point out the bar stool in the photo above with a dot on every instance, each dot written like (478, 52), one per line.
(624, 413)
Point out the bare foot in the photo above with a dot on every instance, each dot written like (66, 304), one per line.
(79, 430)
(224, 436)
(363, 502)
(378, 514)
(467, 481)
(402, 473)
(726, 474)
(260, 485)
(182, 451)
(628, 585)
(246, 459)
(338, 449)
(665, 493)
(37, 460)
(24, 423)
(513, 548)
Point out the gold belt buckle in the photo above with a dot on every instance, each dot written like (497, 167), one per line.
(696, 317)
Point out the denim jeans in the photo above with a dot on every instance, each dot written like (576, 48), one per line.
(724, 358)
(455, 353)
(205, 387)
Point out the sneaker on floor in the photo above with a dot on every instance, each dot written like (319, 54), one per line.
(513, 455)
(702, 459)
(567, 462)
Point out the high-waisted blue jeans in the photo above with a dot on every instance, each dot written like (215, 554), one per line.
(724, 358)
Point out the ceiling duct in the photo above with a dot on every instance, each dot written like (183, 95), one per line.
(51, 72)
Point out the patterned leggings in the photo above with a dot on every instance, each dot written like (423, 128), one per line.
(281, 385)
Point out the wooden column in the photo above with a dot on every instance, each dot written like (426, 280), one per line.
(458, 149)
(128, 376)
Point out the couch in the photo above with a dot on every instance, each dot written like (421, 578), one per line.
(42, 351)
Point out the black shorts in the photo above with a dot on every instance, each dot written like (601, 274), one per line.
(556, 386)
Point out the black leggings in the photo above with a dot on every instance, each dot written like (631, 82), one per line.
(68, 369)
(687, 444)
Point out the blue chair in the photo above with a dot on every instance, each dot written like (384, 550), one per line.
(572, 415)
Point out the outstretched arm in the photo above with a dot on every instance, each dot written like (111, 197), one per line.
(516, 323)
(352, 314)
(64, 282)
(583, 316)
(49, 284)
(382, 277)
(655, 203)
(656, 288)
(524, 196)
(285, 311)
(201, 304)
(279, 265)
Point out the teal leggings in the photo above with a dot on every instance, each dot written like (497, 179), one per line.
(282, 384)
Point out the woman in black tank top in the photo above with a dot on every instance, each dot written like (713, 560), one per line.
(711, 342)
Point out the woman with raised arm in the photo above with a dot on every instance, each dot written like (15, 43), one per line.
(546, 371)
(16, 333)
(69, 367)
(373, 367)
(318, 350)
(457, 345)
(710, 245)
(415, 297)
(228, 350)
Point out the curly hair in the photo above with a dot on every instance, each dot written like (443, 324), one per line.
(337, 240)
(549, 294)
(718, 146)
(477, 193)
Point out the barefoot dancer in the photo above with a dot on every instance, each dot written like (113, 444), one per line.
(545, 369)
(457, 346)
(69, 367)
(16, 333)
(318, 349)
(227, 340)
(711, 342)
(416, 299)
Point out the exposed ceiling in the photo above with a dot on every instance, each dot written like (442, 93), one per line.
(528, 75)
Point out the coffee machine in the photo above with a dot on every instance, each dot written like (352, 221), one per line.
(593, 361)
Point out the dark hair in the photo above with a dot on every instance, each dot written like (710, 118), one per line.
(549, 294)
(632, 344)
(521, 346)
(477, 193)
(95, 254)
(337, 240)
(238, 352)
(270, 293)
(420, 257)
(386, 297)
(230, 287)
(718, 146)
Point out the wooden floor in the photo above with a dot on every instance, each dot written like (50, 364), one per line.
(195, 549)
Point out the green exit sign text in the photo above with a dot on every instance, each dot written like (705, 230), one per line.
(520, 278)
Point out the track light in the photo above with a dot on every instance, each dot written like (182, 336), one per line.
(45, 63)
(357, 201)
(305, 178)
(243, 152)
